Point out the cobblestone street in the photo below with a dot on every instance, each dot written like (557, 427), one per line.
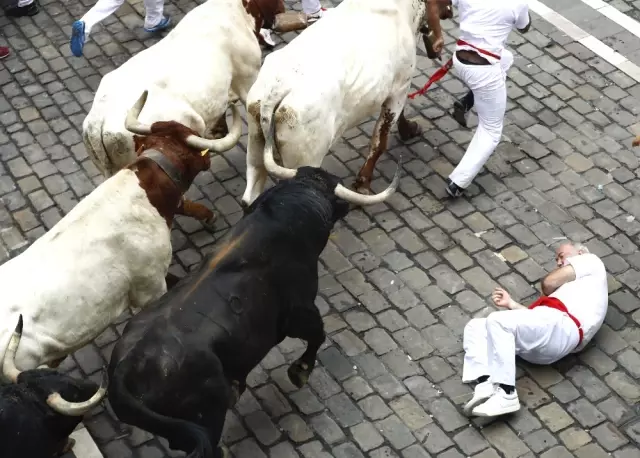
(398, 280)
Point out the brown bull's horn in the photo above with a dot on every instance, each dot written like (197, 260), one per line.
(223, 144)
(9, 368)
(77, 409)
(282, 173)
(360, 199)
(131, 123)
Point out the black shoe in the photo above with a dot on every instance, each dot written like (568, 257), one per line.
(459, 113)
(453, 189)
(20, 11)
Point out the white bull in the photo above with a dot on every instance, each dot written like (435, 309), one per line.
(76, 279)
(111, 252)
(360, 57)
(209, 60)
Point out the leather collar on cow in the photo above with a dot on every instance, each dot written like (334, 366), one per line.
(167, 167)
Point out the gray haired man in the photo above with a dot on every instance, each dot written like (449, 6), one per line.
(562, 321)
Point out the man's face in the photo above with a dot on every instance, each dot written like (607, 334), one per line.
(564, 252)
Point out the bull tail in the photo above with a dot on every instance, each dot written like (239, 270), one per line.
(181, 434)
(92, 138)
(268, 109)
(108, 143)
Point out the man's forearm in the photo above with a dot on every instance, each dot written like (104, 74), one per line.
(547, 288)
(556, 278)
(516, 306)
(433, 17)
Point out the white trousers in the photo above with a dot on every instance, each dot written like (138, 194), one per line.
(488, 83)
(311, 6)
(541, 336)
(105, 8)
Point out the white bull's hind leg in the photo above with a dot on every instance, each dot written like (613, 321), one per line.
(256, 171)
(392, 110)
(146, 289)
(407, 129)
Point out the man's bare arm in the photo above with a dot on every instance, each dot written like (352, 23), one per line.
(557, 278)
(433, 17)
(513, 305)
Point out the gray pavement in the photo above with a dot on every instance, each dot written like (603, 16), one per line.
(398, 280)
(602, 27)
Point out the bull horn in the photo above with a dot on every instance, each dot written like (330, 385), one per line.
(282, 173)
(222, 144)
(361, 199)
(77, 409)
(9, 368)
(131, 123)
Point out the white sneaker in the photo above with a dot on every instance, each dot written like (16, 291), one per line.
(500, 403)
(311, 18)
(266, 36)
(481, 393)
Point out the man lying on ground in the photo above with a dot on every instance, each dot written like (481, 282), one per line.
(562, 321)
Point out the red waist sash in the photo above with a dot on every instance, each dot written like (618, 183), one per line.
(555, 303)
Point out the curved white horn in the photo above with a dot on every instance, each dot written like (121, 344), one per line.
(131, 123)
(282, 173)
(361, 199)
(77, 409)
(9, 368)
(222, 144)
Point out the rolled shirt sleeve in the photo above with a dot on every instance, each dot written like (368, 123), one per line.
(584, 264)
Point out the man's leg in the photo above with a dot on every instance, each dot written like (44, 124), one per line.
(490, 94)
(313, 9)
(80, 29)
(465, 104)
(311, 6)
(476, 365)
(462, 107)
(540, 335)
(154, 21)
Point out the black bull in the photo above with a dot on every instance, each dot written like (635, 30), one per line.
(182, 362)
(39, 408)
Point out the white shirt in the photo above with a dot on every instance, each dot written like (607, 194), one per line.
(486, 24)
(586, 297)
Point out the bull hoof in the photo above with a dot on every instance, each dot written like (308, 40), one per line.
(299, 373)
(224, 451)
(209, 224)
(411, 130)
(217, 134)
(55, 363)
(362, 186)
(67, 447)
(235, 393)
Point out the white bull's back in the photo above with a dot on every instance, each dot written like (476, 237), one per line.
(78, 277)
(189, 71)
(337, 73)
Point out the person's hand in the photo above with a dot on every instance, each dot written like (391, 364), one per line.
(501, 298)
(438, 45)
